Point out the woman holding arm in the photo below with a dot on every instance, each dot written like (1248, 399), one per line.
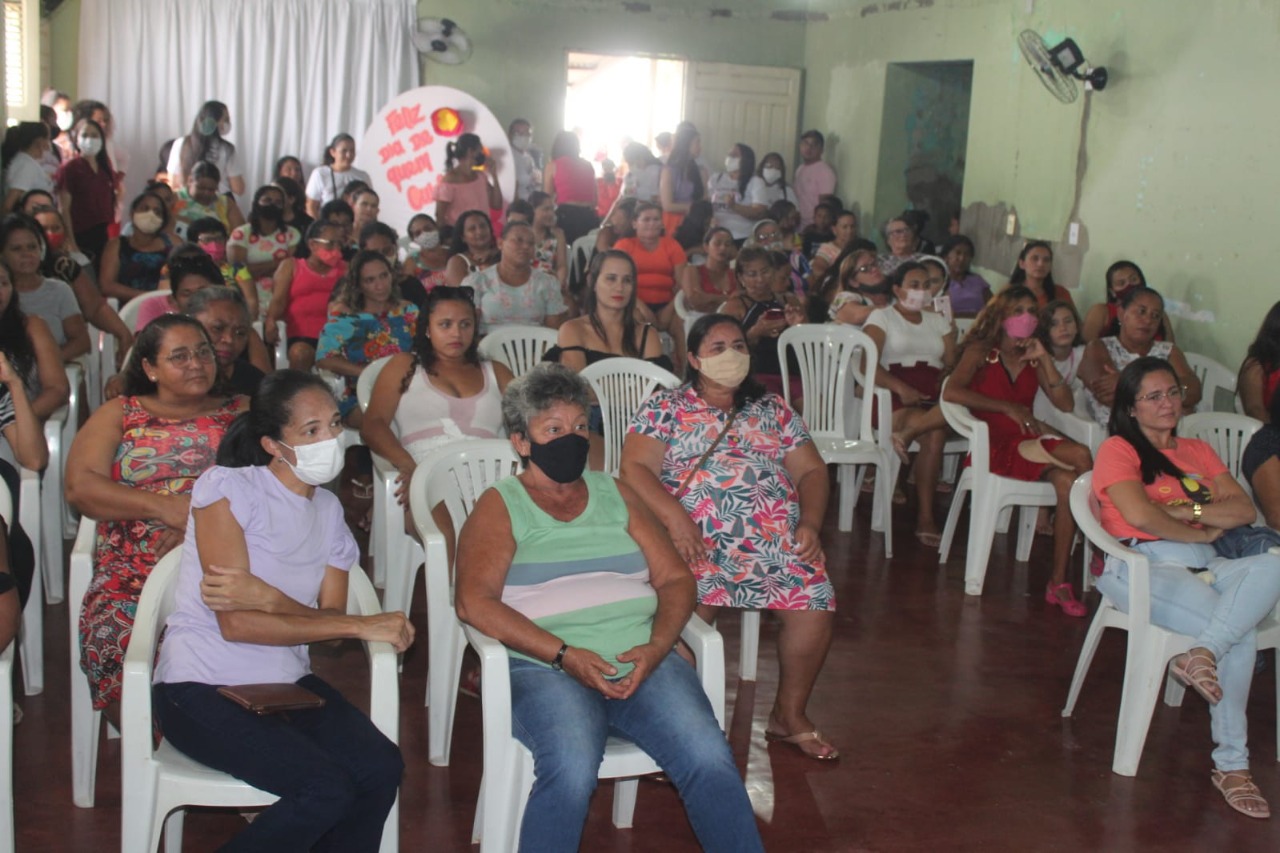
(20, 424)
(32, 352)
(468, 184)
(263, 574)
(844, 235)
(131, 467)
(574, 575)
(1171, 498)
(473, 247)
(512, 291)
(693, 455)
(708, 286)
(1002, 367)
(1103, 319)
(853, 288)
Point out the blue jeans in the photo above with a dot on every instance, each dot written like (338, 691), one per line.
(565, 724)
(335, 773)
(1222, 617)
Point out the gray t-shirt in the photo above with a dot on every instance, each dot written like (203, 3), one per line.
(53, 301)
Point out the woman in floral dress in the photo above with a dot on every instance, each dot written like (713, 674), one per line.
(131, 468)
(367, 320)
(731, 472)
(262, 243)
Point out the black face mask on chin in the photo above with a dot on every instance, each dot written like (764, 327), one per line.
(881, 289)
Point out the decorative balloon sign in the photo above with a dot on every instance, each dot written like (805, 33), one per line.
(404, 149)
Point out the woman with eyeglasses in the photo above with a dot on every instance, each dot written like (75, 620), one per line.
(1172, 499)
(1141, 317)
(853, 288)
(131, 468)
(901, 238)
(300, 294)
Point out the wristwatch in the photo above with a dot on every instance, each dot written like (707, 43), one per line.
(1196, 511)
(557, 663)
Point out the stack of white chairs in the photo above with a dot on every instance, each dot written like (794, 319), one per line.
(455, 475)
(158, 782)
(518, 347)
(621, 386)
(86, 723)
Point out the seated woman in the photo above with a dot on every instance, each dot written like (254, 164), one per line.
(23, 432)
(708, 286)
(424, 255)
(1059, 333)
(262, 244)
(1172, 499)
(367, 320)
(903, 240)
(295, 204)
(381, 238)
(211, 237)
(1260, 372)
(512, 291)
(916, 346)
(1002, 366)
(550, 252)
(132, 264)
(439, 393)
(473, 247)
(200, 198)
(1035, 272)
(131, 467)
(853, 288)
(844, 233)
(301, 291)
(1103, 319)
(366, 206)
(242, 357)
(263, 574)
(764, 316)
(20, 425)
(690, 476)
(660, 265)
(969, 291)
(190, 269)
(1260, 466)
(32, 352)
(22, 248)
(1141, 313)
(618, 224)
(591, 654)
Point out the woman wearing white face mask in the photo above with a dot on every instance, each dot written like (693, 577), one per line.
(133, 265)
(915, 346)
(87, 189)
(737, 193)
(699, 456)
(773, 171)
(207, 142)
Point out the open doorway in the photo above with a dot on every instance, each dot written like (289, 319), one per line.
(923, 140)
(612, 100)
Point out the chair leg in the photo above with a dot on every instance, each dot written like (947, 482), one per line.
(749, 652)
(1143, 672)
(445, 673)
(86, 724)
(1002, 520)
(1091, 640)
(884, 500)
(982, 521)
(1026, 531)
(31, 637)
(173, 831)
(848, 498)
(51, 524)
(1173, 691)
(953, 520)
(624, 802)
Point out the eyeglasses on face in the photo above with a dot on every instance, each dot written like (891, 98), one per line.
(898, 232)
(182, 358)
(1157, 397)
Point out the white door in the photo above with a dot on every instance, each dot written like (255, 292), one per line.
(755, 104)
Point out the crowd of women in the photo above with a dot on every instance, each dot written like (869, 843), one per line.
(201, 447)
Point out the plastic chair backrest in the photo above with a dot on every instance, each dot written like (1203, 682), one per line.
(1087, 513)
(458, 473)
(1228, 433)
(825, 353)
(1213, 376)
(368, 377)
(129, 313)
(963, 325)
(621, 385)
(960, 419)
(154, 606)
(518, 347)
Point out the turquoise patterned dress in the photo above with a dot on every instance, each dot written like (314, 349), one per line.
(742, 498)
(363, 338)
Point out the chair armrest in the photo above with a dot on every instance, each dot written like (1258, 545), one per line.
(495, 685)
(708, 651)
(384, 684)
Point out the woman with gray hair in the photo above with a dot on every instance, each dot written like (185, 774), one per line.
(577, 578)
(224, 313)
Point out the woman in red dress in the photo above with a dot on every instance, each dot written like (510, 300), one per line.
(1002, 367)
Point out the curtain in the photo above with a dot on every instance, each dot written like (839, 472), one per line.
(292, 73)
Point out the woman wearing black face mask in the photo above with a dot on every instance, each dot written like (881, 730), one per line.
(262, 243)
(853, 288)
(570, 571)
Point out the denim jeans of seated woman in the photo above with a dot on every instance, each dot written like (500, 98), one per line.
(1222, 617)
(565, 724)
(335, 773)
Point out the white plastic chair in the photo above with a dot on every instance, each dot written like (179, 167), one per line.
(158, 782)
(621, 386)
(508, 765)
(1213, 377)
(102, 360)
(518, 347)
(1228, 433)
(455, 474)
(684, 312)
(59, 432)
(129, 313)
(31, 631)
(386, 535)
(580, 253)
(281, 348)
(86, 723)
(992, 495)
(6, 719)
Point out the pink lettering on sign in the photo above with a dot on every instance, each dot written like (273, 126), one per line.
(393, 149)
(420, 197)
(421, 140)
(404, 118)
(402, 172)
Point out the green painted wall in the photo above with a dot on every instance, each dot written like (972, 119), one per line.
(64, 45)
(518, 64)
(1179, 164)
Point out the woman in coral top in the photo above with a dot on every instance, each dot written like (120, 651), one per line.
(660, 263)
(300, 295)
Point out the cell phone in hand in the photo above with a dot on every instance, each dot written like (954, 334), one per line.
(775, 314)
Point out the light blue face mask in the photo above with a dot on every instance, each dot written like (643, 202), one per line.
(208, 126)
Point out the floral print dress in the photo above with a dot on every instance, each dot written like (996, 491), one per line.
(158, 455)
(742, 498)
(363, 338)
(262, 248)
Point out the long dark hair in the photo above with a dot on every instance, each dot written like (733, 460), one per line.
(1019, 275)
(682, 162)
(424, 353)
(268, 414)
(1265, 348)
(1114, 328)
(590, 303)
(782, 181)
(146, 347)
(746, 166)
(292, 189)
(1123, 424)
(834, 279)
(1046, 323)
(348, 292)
(457, 245)
(200, 146)
(255, 210)
(988, 329)
(333, 143)
(460, 147)
(19, 138)
(14, 341)
(104, 162)
(16, 222)
(750, 390)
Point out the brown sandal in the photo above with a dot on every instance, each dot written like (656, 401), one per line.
(1198, 670)
(798, 740)
(1238, 789)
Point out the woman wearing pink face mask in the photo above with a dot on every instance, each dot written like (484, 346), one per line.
(1002, 367)
(300, 294)
(915, 347)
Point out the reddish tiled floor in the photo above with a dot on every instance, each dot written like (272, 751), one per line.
(947, 710)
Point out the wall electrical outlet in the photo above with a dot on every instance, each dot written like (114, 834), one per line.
(1012, 227)
(1073, 233)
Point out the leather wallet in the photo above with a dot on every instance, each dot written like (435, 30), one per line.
(272, 698)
